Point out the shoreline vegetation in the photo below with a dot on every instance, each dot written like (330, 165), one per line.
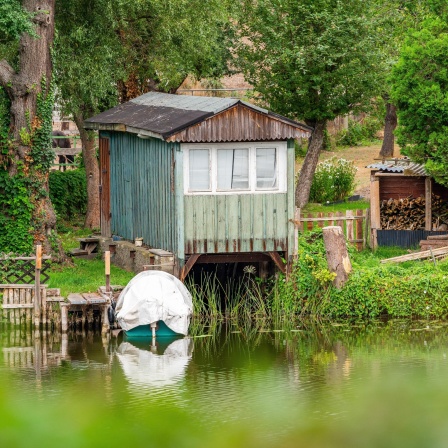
(413, 289)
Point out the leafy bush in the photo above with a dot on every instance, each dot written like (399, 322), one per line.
(359, 133)
(416, 289)
(68, 192)
(333, 180)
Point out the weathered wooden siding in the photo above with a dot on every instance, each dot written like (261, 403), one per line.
(397, 187)
(236, 223)
(239, 124)
(142, 190)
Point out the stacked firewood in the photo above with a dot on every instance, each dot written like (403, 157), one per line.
(409, 213)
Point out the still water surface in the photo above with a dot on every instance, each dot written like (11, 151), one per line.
(301, 384)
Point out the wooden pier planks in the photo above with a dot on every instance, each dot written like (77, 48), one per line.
(90, 298)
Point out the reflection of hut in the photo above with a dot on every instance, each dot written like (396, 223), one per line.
(407, 205)
(155, 366)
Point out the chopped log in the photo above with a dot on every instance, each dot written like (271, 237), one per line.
(337, 255)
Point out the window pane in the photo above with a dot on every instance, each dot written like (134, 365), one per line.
(266, 168)
(199, 170)
(233, 169)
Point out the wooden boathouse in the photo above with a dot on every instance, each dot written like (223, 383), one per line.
(209, 180)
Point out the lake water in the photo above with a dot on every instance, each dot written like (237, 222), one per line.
(374, 384)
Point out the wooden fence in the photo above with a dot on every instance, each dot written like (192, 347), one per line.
(354, 223)
(23, 296)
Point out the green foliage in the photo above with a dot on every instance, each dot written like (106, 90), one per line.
(20, 193)
(85, 276)
(239, 298)
(68, 193)
(417, 289)
(311, 60)
(420, 90)
(336, 207)
(14, 21)
(299, 149)
(359, 132)
(154, 40)
(333, 180)
(16, 212)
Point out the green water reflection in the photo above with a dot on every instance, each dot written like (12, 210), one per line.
(292, 384)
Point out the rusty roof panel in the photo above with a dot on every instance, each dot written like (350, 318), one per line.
(241, 123)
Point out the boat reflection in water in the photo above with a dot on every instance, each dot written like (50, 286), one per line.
(148, 363)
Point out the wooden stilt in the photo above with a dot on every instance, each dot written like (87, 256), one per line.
(37, 286)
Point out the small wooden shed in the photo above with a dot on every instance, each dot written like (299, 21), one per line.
(207, 179)
(405, 182)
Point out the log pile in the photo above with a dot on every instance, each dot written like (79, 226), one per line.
(409, 213)
(434, 242)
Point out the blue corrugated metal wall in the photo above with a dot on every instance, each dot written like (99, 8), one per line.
(404, 238)
(142, 189)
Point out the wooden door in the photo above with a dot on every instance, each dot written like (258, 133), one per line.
(105, 212)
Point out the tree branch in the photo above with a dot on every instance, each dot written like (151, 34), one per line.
(6, 73)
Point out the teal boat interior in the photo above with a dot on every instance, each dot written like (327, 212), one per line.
(145, 331)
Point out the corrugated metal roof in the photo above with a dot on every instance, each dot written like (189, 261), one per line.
(185, 102)
(163, 114)
(404, 166)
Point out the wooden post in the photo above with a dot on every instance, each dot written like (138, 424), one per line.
(337, 255)
(105, 320)
(107, 269)
(37, 286)
(297, 227)
(359, 232)
(375, 217)
(428, 203)
(350, 235)
(64, 317)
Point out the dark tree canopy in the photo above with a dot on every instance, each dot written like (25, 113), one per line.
(420, 90)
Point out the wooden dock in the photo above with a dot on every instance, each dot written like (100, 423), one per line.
(54, 311)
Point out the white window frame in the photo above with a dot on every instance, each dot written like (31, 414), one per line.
(281, 167)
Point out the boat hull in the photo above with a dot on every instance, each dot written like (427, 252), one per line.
(145, 331)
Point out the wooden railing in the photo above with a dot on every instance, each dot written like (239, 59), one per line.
(354, 223)
(22, 295)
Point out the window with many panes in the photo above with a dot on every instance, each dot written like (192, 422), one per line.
(235, 168)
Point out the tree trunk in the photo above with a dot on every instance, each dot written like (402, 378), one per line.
(92, 174)
(303, 186)
(390, 123)
(33, 77)
(337, 254)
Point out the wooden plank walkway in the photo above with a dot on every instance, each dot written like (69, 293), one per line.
(89, 298)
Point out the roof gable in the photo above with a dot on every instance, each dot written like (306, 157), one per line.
(181, 118)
